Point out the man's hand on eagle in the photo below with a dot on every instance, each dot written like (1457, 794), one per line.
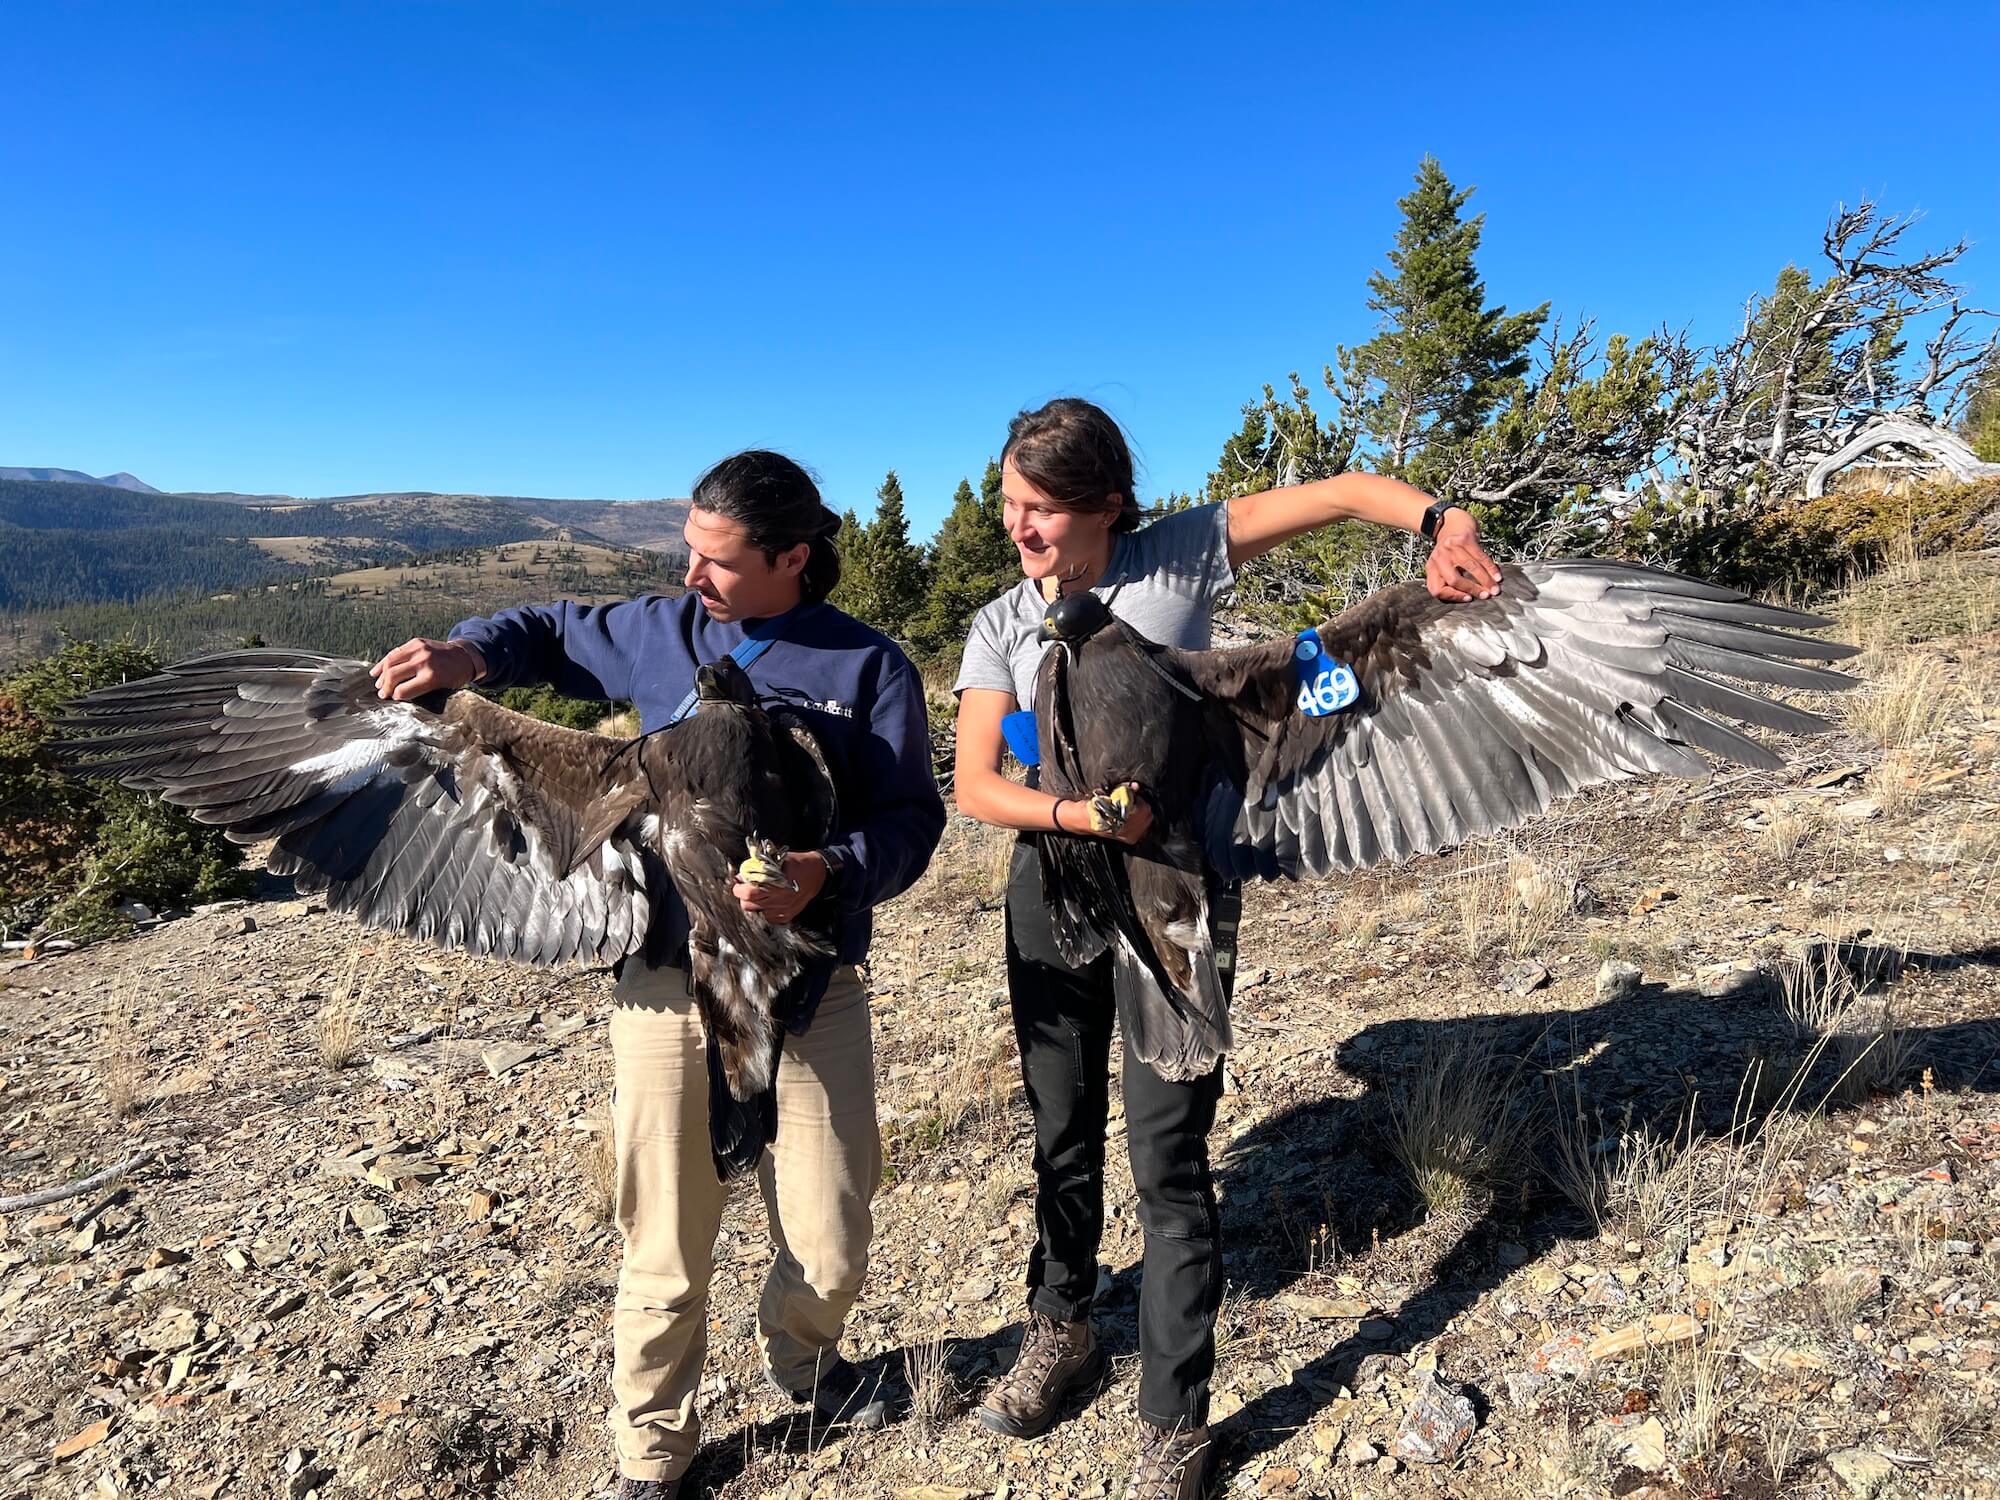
(423, 666)
(780, 900)
(1459, 569)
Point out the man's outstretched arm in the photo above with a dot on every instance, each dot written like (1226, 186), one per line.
(582, 650)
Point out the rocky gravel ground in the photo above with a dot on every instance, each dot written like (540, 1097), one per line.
(1656, 1153)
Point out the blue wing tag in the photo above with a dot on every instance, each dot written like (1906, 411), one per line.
(1326, 686)
(1022, 736)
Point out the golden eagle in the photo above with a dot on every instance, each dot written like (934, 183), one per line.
(1467, 719)
(452, 819)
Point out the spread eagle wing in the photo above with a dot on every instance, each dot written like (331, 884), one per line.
(1473, 718)
(1079, 882)
(448, 818)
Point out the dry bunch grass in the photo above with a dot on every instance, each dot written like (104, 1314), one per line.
(1454, 1126)
(1895, 783)
(972, 1081)
(1518, 902)
(1904, 705)
(1653, 1181)
(1409, 904)
(959, 1053)
(598, 1155)
(1784, 1439)
(1695, 1389)
(122, 1057)
(971, 854)
(1365, 929)
(1648, 1182)
(1939, 1417)
(1783, 834)
(623, 725)
(936, 1397)
(1815, 992)
(339, 1025)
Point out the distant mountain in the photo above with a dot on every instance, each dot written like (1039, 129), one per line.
(67, 544)
(119, 481)
(654, 525)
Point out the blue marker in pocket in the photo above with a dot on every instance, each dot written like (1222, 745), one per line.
(1022, 736)
(1326, 686)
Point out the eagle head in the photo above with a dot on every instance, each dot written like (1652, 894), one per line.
(723, 681)
(1074, 619)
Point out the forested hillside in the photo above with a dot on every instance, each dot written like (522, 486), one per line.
(58, 567)
(350, 614)
(69, 543)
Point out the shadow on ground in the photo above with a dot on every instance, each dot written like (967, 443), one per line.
(1672, 1058)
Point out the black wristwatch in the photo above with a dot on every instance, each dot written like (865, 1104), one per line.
(1434, 518)
(836, 866)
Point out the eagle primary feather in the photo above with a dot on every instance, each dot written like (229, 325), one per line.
(455, 820)
(1476, 717)
(1473, 718)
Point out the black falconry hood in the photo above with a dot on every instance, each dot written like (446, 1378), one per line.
(723, 681)
(1074, 619)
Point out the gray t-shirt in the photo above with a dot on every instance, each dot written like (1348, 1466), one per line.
(1162, 580)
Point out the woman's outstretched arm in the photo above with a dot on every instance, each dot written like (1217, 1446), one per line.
(1459, 568)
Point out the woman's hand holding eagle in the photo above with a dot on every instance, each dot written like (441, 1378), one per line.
(1122, 815)
(1459, 570)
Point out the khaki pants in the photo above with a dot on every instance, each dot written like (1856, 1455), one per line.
(817, 1179)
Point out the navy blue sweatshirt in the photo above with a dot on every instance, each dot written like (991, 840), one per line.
(856, 688)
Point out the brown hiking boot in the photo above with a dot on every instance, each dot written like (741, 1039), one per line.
(1055, 1359)
(1174, 1465)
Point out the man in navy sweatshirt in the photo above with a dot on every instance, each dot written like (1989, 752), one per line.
(761, 561)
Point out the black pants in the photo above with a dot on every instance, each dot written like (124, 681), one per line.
(1063, 1019)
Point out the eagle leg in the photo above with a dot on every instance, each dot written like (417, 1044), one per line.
(1109, 810)
(765, 865)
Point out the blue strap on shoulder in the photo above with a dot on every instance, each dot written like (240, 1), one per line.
(756, 641)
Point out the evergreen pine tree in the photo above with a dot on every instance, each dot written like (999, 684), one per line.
(855, 593)
(1441, 359)
(1241, 470)
(990, 497)
(1981, 424)
(972, 561)
(895, 565)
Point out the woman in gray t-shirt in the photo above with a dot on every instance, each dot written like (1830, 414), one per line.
(1070, 509)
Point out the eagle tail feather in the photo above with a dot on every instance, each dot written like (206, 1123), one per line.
(1178, 1040)
(739, 1129)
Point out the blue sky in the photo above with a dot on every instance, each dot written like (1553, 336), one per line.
(584, 250)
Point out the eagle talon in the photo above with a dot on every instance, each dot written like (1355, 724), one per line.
(765, 866)
(1109, 810)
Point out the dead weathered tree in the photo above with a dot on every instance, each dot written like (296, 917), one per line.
(1569, 437)
(1814, 366)
(1936, 447)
